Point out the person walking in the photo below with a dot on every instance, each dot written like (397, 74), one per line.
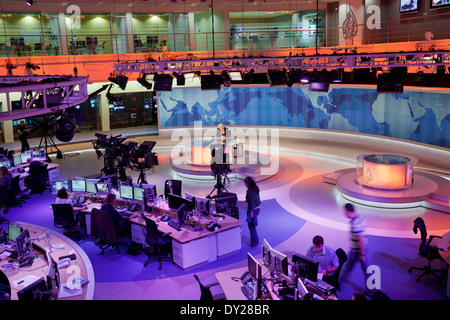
(253, 203)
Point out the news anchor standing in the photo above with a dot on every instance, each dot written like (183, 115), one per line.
(222, 132)
(253, 203)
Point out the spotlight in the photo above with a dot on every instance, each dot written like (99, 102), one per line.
(30, 2)
(248, 77)
(123, 80)
(235, 75)
(226, 78)
(210, 82)
(142, 80)
(390, 83)
(277, 77)
(322, 86)
(163, 82)
(181, 80)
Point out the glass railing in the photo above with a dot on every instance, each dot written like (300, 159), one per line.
(404, 30)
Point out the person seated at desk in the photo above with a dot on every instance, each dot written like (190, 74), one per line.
(328, 260)
(63, 197)
(5, 187)
(122, 223)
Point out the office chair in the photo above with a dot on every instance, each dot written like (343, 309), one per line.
(63, 217)
(342, 256)
(157, 240)
(38, 179)
(205, 290)
(15, 193)
(103, 230)
(426, 250)
(173, 187)
(379, 295)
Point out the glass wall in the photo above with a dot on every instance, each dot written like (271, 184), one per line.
(28, 34)
(150, 31)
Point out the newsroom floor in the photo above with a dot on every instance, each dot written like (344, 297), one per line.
(298, 189)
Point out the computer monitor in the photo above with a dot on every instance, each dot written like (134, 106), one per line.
(112, 179)
(175, 202)
(279, 262)
(203, 206)
(25, 156)
(38, 155)
(35, 291)
(5, 163)
(90, 186)
(189, 196)
(226, 203)
(13, 231)
(53, 278)
(303, 292)
(252, 264)
(126, 192)
(58, 185)
(103, 188)
(17, 159)
(78, 185)
(138, 193)
(182, 215)
(23, 243)
(305, 267)
(150, 191)
(266, 253)
(255, 271)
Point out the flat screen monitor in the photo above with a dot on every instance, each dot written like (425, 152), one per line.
(23, 243)
(38, 154)
(175, 202)
(90, 186)
(279, 262)
(203, 206)
(189, 196)
(266, 253)
(25, 156)
(252, 264)
(254, 269)
(53, 278)
(5, 163)
(435, 4)
(408, 6)
(78, 185)
(17, 159)
(13, 231)
(149, 191)
(58, 185)
(138, 193)
(103, 188)
(35, 291)
(225, 203)
(126, 192)
(303, 292)
(305, 267)
(181, 215)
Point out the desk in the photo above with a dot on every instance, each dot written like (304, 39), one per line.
(52, 168)
(189, 247)
(80, 267)
(232, 287)
(444, 243)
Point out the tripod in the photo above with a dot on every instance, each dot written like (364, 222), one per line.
(220, 187)
(47, 139)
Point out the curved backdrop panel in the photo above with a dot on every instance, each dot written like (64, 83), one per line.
(417, 116)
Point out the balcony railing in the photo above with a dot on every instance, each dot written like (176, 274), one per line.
(403, 30)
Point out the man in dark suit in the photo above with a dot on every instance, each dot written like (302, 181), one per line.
(122, 223)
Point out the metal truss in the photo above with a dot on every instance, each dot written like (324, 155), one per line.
(425, 59)
(41, 94)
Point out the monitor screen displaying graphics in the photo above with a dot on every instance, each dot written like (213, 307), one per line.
(90, 186)
(13, 231)
(5, 163)
(78, 185)
(266, 253)
(35, 291)
(103, 188)
(126, 192)
(23, 243)
(25, 156)
(305, 267)
(58, 185)
(38, 154)
(279, 262)
(203, 206)
(138, 193)
(17, 159)
(175, 202)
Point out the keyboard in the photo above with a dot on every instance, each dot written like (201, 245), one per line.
(247, 291)
(126, 214)
(174, 224)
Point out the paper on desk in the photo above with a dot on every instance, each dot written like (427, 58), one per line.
(319, 275)
(66, 292)
(25, 281)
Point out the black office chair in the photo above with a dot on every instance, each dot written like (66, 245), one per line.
(205, 290)
(103, 230)
(380, 295)
(158, 241)
(63, 217)
(38, 179)
(15, 193)
(342, 256)
(173, 187)
(427, 251)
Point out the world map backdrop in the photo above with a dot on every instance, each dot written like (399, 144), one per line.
(417, 116)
